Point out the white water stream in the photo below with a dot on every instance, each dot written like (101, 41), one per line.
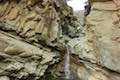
(67, 63)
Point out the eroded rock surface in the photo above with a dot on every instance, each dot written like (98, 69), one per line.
(33, 32)
(37, 20)
(19, 59)
(90, 71)
(30, 30)
(101, 42)
(103, 34)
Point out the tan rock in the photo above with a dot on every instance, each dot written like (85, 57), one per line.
(30, 33)
(13, 14)
(117, 2)
(104, 6)
(24, 58)
(93, 72)
(102, 39)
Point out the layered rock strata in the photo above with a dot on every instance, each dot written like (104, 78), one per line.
(32, 35)
(101, 42)
(30, 30)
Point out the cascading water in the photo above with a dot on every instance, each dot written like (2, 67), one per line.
(67, 63)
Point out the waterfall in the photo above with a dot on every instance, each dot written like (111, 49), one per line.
(67, 63)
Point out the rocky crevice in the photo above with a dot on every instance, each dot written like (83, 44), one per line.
(33, 34)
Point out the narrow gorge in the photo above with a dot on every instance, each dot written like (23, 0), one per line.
(48, 40)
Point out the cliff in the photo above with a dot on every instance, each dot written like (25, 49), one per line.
(33, 35)
(30, 32)
(101, 42)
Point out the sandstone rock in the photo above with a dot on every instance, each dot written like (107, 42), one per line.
(30, 33)
(100, 44)
(106, 6)
(13, 14)
(29, 18)
(102, 36)
(92, 72)
(99, 0)
(22, 58)
(117, 2)
(36, 29)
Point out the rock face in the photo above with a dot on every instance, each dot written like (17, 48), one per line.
(33, 32)
(16, 52)
(19, 59)
(28, 18)
(103, 34)
(29, 33)
(98, 46)
(101, 42)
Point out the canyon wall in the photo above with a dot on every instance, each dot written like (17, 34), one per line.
(31, 36)
(101, 53)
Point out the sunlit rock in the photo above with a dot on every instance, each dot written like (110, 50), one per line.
(102, 35)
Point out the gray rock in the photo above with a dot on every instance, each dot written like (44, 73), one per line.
(4, 78)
